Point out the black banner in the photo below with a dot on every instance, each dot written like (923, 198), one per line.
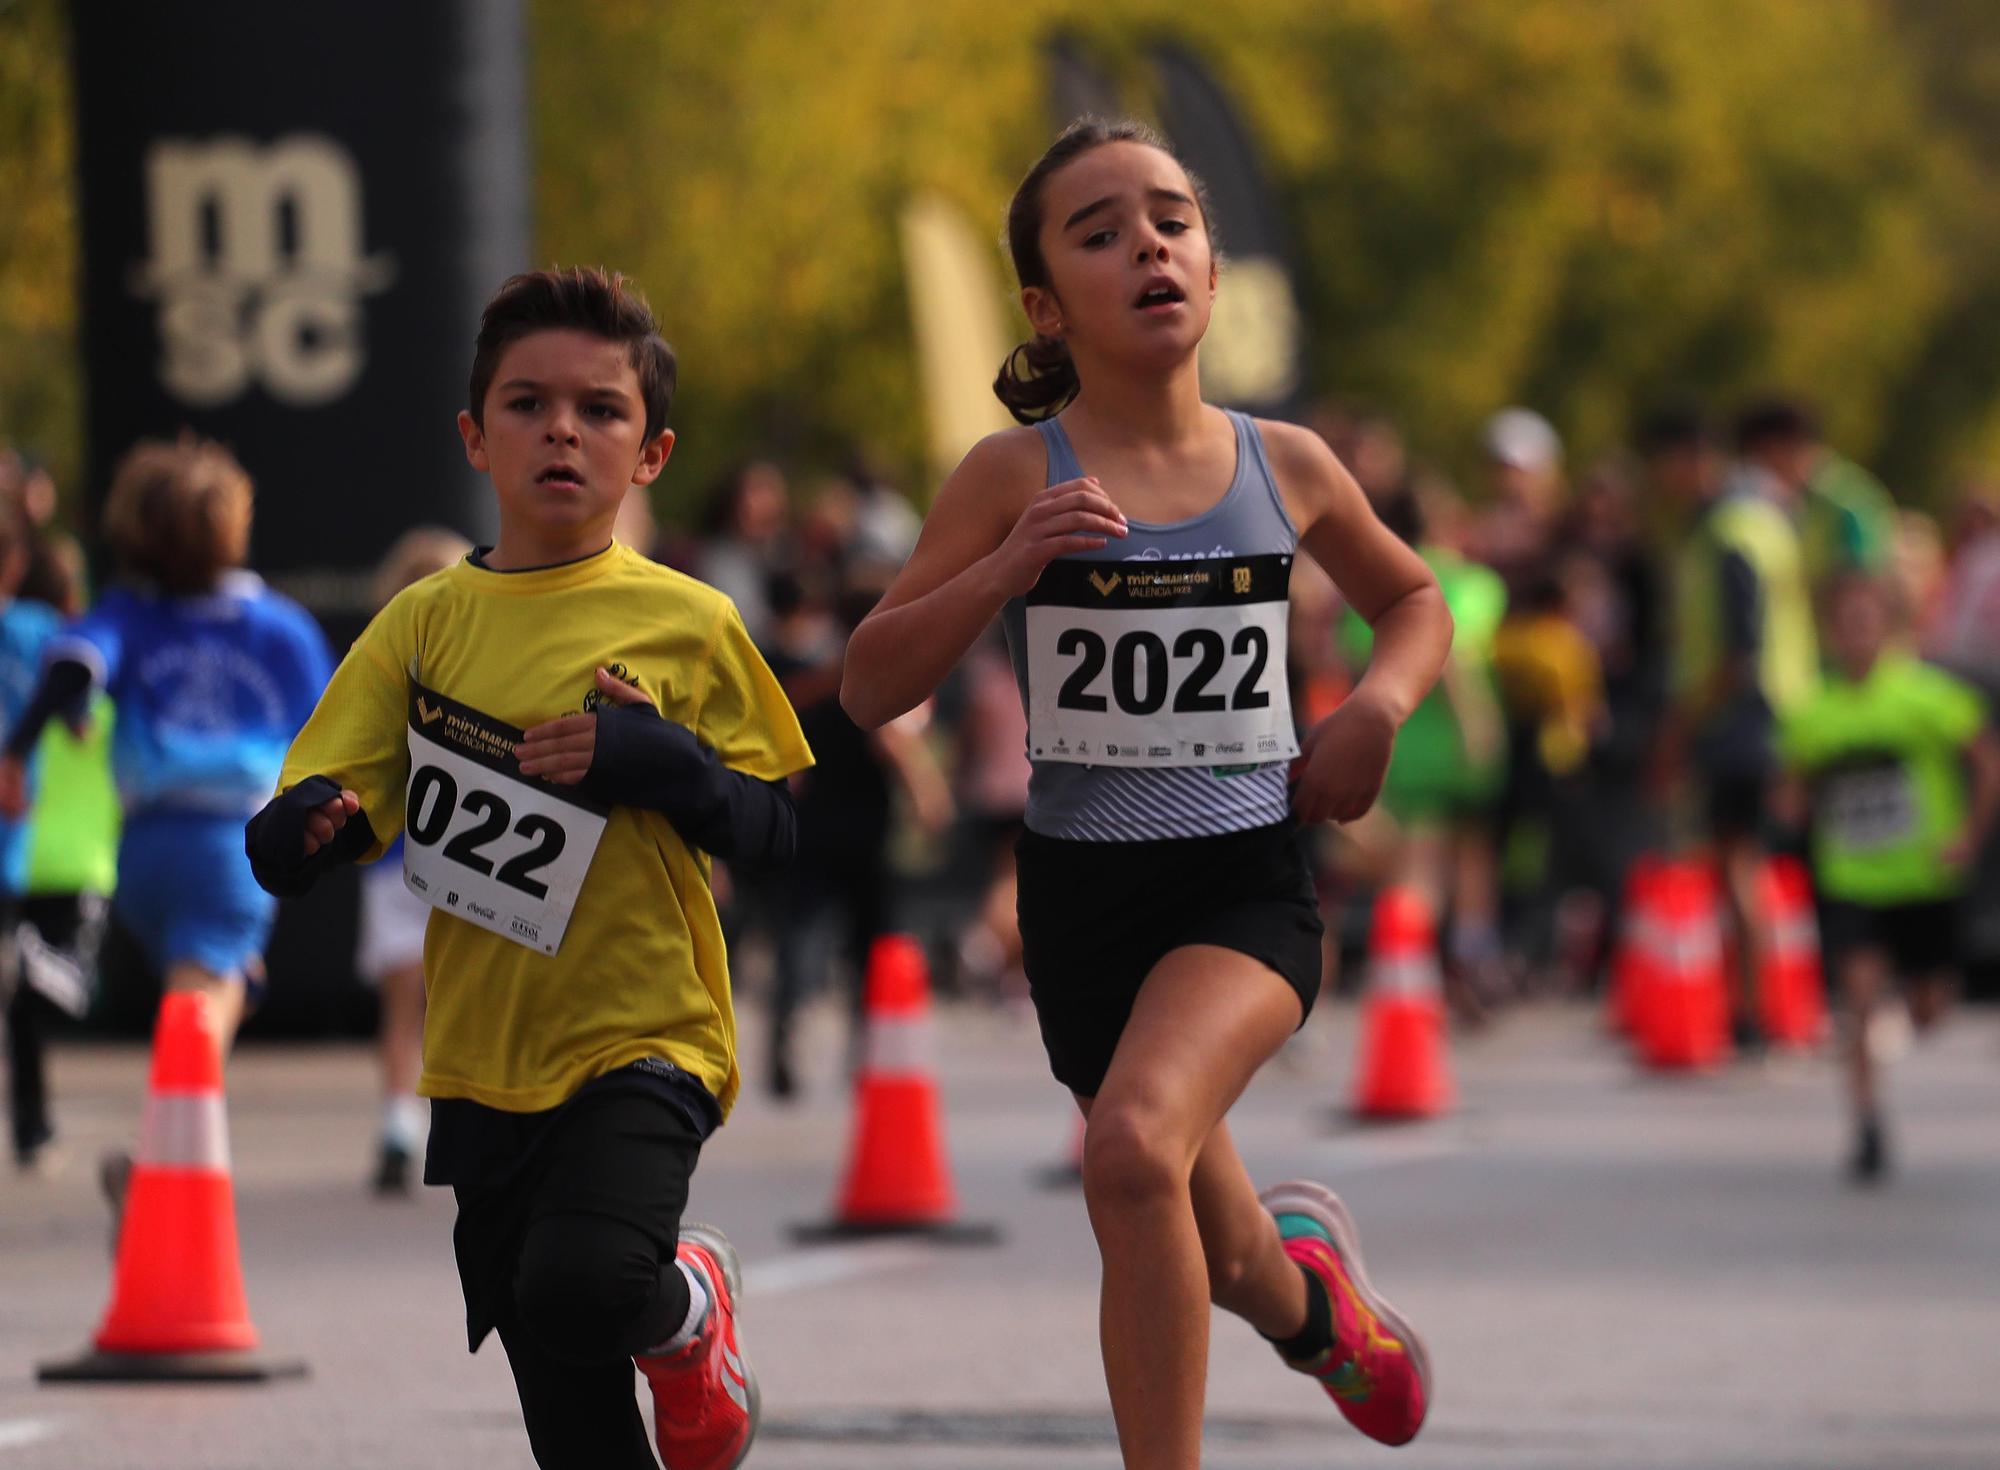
(1254, 355)
(291, 216)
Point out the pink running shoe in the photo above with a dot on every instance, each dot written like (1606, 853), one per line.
(1377, 1370)
(705, 1400)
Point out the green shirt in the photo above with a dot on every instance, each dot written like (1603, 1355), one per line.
(1429, 775)
(1885, 758)
(73, 829)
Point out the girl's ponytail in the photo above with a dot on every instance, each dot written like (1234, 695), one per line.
(1038, 380)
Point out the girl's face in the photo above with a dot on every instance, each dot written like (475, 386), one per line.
(1131, 271)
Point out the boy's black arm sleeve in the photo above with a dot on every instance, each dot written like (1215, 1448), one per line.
(64, 690)
(275, 839)
(643, 760)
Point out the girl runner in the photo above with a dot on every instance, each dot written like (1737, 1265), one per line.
(1171, 940)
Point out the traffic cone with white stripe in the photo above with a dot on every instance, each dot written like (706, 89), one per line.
(1638, 942)
(1404, 1072)
(1791, 987)
(177, 1305)
(1683, 1014)
(898, 1180)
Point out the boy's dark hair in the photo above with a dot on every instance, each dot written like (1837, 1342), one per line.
(585, 299)
(1775, 421)
(1038, 380)
(178, 514)
(1672, 428)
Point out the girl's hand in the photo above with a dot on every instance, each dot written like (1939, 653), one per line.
(1342, 760)
(323, 821)
(1074, 516)
(561, 750)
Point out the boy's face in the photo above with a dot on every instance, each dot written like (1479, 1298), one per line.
(1857, 626)
(564, 432)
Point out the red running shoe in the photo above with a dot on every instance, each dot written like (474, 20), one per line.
(705, 1400)
(1377, 1370)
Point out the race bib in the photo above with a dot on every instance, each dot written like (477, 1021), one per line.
(496, 848)
(1160, 663)
(1867, 808)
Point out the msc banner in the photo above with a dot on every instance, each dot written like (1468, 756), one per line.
(291, 215)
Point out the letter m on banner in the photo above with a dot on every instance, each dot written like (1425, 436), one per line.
(258, 268)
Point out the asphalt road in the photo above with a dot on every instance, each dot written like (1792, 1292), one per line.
(1612, 1270)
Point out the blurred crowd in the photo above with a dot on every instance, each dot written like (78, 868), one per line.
(1629, 635)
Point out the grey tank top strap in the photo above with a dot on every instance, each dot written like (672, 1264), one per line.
(1234, 663)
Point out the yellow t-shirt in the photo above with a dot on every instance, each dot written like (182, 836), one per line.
(642, 970)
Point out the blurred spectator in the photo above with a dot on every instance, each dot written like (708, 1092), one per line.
(1846, 520)
(1524, 477)
(390, 949)
(1445, 775)
(1745, 653)
(1552, 688)
(1609, 576)
(846, 803)
(886, 525)
(993, 800)
(744, 538)
(1884, 746)
(27, 629)
(1962, 635)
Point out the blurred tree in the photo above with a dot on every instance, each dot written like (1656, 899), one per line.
(40, 382)
(1579, 205)
(1945, 417)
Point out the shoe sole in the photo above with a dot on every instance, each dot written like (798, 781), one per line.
(1317, 1202)
(717, 1244)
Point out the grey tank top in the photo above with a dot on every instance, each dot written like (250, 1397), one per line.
(1192, 664)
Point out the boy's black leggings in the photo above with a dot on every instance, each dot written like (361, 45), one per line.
(570, 1257)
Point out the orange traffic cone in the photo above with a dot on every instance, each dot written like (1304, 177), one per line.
(1403, 1068)
(898, 1181)
(1682, 1017)
(177, 1306)
(1638, 940)
(1791, 989)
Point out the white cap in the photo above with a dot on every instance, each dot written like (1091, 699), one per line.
(1522, 438)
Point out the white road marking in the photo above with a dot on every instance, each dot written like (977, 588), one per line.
(802, 1270)
(15, 1433)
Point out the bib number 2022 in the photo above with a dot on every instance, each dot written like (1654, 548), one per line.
(435, 799)
(1144, 671)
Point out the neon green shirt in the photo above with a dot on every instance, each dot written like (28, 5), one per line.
(73, 829)
(1429, 776)
(1885, 758)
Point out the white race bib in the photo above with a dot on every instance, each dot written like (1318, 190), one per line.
(1160, 663)
(483, 842)
(1867, 808)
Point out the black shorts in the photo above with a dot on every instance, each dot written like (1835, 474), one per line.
(1921, 938)
(1735, 804)
(618, 1152)
(1096, 917)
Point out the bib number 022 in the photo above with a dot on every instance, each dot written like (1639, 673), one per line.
(1146, 670)
(435, 798)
